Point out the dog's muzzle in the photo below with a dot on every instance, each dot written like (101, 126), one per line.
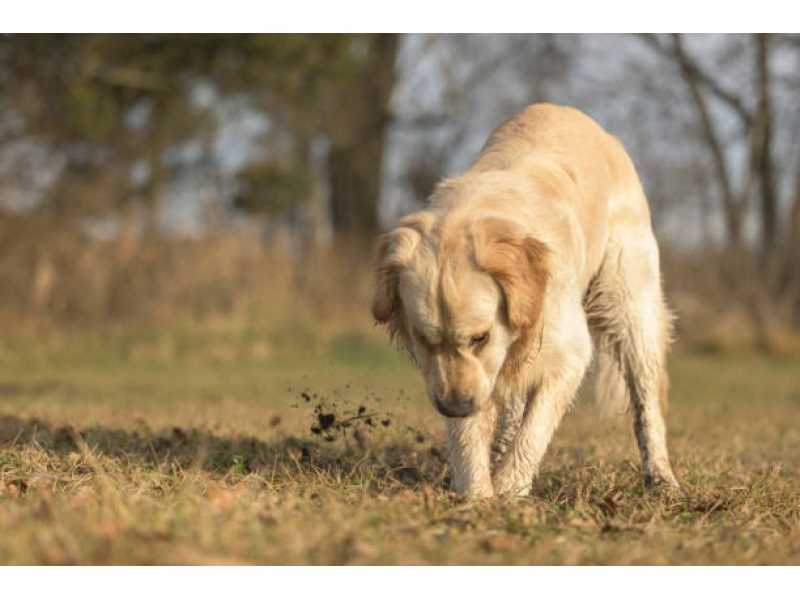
(456, 408)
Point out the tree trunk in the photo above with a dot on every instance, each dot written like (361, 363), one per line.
(355, 159)
(790, 281)
(763, 163)
(355, 184)
(733, 207)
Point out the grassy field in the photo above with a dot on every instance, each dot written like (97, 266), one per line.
(226, 447)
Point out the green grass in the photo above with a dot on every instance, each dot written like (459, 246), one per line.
(196, 447)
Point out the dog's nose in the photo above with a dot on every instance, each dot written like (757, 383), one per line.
(456, 406)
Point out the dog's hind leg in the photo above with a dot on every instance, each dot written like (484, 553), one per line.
(627, 313)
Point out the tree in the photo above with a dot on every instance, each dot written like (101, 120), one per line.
(105, 104)
(336, 87)
(76, 95)
(766, 172)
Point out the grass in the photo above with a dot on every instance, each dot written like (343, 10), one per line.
(197, 447)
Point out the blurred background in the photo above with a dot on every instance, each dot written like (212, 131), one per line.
(189, 371)
(236, 183)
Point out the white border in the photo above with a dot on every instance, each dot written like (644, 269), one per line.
(398, 16)
(387, 583)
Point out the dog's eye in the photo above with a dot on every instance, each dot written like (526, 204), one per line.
(479, 340)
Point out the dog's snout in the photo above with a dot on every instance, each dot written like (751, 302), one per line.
(456, 406)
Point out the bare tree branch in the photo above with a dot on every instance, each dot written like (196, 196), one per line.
(689, 65)
(733, 207)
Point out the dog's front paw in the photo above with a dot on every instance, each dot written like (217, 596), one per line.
(479, 493)
(473, 490)
(509, 484)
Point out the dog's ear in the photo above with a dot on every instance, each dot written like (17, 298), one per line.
(519, 264)
(395, 250)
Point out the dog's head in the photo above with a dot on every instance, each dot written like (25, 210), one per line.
(463, 299)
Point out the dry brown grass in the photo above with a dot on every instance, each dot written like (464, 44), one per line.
(53, 276)
(185, 459)
(151, 412)
(726, 303)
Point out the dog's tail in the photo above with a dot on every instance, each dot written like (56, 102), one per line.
(611, 391)
(621, 349)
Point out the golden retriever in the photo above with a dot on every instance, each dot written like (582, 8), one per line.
(502, 287)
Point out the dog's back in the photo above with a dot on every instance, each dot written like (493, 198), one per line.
(610, 206)
(597, 178)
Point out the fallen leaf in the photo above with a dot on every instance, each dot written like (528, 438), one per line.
(16, 488)
(500, 543)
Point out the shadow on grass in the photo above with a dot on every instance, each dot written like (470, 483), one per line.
(406, 463)
(564, 489)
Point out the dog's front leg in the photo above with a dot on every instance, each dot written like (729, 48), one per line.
(511, 409)
(565, 368)
(520, 464)
(468, 452)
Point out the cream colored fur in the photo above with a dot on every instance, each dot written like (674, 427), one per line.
(539, 256)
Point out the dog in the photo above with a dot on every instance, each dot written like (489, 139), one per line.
(540, 255)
